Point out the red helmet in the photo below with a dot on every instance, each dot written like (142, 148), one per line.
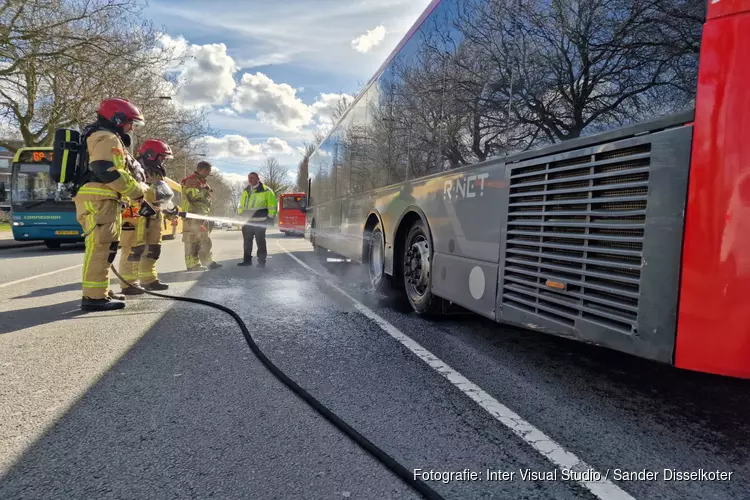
(151, 149)
(120, 111)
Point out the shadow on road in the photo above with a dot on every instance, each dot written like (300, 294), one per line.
(188, 411)
(171, 277)
(42, 292)
(21, 319)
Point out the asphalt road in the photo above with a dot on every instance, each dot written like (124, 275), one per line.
(165, 400)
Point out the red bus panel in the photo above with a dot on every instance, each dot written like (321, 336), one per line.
(721, 8)
(714, 315)
(292, 218)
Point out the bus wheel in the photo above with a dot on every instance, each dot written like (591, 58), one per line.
(376, 259)
(52, 244)
(418, 271)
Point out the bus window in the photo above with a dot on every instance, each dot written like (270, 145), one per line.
(292, 202)
(33, 183)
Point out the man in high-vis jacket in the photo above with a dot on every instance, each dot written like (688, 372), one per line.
(258, 208)
(141, 233)
(195, 232)
(97, 201)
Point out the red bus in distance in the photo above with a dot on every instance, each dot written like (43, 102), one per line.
(291, 214)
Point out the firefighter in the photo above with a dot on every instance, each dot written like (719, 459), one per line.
(141, 233)
(258, 207)
(97, 201)
(195, 232)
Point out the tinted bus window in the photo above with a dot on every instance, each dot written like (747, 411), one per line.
(292, 202)
(486, 78)
(33, 183)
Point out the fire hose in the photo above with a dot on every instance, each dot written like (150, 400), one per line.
(391, 463)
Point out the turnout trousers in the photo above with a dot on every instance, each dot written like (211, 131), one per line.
(141, 248)
(195, 237)
(259, 234)
(101, 221)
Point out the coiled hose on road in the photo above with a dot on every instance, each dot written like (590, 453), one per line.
(355, 436)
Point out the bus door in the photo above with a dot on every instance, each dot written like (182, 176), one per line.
(292, 218)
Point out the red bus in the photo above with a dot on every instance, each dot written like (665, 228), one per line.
(291, 213)
(582, 171)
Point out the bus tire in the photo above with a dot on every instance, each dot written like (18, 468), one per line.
(375, 259)
(53, 244)
(417, 270)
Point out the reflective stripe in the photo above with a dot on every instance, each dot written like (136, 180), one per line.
(131, 187)
(140, 231)
(108, 193)
(63, 180)
(95, 284)
(90, 239)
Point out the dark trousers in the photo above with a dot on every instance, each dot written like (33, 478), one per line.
(259, 233)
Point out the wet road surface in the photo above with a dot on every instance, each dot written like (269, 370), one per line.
(165, 399)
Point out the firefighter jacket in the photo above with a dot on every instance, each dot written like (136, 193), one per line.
(108, 165)
(197, 195)
(131, 206)
(257, 204)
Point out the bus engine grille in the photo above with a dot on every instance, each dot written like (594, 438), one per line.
(574, 244)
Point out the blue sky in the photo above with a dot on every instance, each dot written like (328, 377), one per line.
(268, 72)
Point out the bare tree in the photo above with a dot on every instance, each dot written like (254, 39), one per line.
(236, 188)
(221, 198)
(565, 66)
(303, 168)
(276, 177)
(342, 104)
(60, 58)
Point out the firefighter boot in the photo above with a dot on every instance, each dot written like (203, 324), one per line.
(132, 290)
(116, 296)
(105, 304)
(155, 286)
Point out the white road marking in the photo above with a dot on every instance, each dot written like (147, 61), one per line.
(551, 450)
(11, 283)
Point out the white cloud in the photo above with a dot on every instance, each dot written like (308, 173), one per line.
(274, 145)
(207, 75)
(233, 178)
(320, 37)
(325, 104)
(235, 146)
(265, 60)
(275, 103)
(240, 148)
(371, 39)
